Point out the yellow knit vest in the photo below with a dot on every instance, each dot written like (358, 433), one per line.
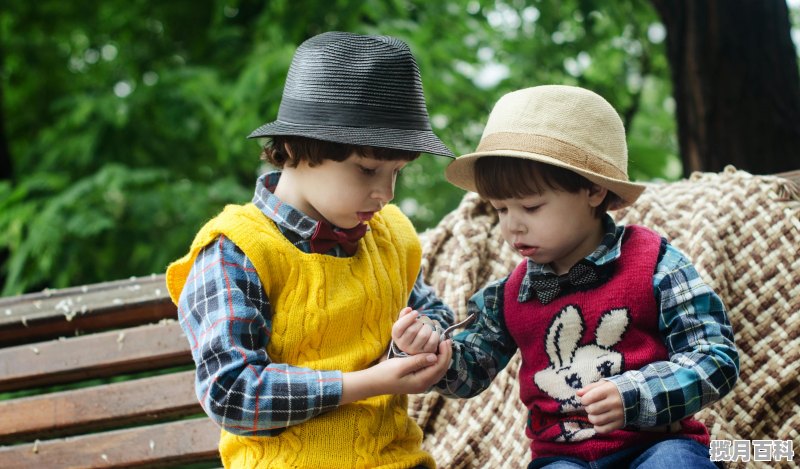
(329, 313)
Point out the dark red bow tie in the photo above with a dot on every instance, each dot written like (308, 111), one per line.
(326, 237)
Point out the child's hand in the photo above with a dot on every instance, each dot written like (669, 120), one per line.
(413, 335)
(406, 375)
(604, 405)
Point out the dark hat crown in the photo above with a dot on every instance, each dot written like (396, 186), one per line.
(356, 89)
(346, 78)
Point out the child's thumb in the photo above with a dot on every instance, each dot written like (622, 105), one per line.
(418, 362)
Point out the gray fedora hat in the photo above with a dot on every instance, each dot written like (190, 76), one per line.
(355, 89)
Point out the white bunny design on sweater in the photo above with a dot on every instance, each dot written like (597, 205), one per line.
(574, 366)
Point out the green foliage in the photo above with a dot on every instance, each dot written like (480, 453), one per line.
(116, 220)
(126, 121)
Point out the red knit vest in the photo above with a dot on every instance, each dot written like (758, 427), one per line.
(582, 337)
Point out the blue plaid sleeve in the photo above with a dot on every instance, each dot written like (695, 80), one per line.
(424, 300)
(482, 350)
(703, 361)
(226, 316)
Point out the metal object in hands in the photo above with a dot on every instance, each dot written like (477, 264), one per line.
(446, 334)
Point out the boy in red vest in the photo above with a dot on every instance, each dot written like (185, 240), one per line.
(621, 340)
(288, 302)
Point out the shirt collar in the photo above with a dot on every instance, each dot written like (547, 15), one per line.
(606, 252)
(283, 214)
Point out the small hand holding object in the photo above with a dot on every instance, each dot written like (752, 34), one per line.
(412, 375)
(402, 375)
(411, 332)
(414, 334)
(604, 406)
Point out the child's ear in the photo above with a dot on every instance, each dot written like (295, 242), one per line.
(597, 194)
(287, 150)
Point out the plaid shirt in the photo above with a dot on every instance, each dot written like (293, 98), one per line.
(226, 316)
(703, 364)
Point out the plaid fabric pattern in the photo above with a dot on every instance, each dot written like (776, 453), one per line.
(703, 362)
(294, 224)
(227, 318)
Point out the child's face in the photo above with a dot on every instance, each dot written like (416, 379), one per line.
(555, 227)
(344, 193)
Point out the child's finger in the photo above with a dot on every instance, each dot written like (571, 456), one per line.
(589, 397)
(594, 392)
(405, 311)
(432, 374)
(401, 325)
(421, 338)
(599, 413)
(411, 332)
(446, 350)
(597, 408)
(608, 428)
(587, 388)
(415, 363)
(433, 343)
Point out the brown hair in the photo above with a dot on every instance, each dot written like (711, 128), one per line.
(316, 151)
(500, 177)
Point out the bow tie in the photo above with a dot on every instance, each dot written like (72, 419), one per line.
(325, 237)
(583, 274)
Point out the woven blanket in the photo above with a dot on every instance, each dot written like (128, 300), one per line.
(741, 231)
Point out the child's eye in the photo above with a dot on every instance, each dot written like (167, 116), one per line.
(501, 209)
(367, 171)
(532, 209)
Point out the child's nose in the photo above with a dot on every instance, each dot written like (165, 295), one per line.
(384, 191)
(515, 225)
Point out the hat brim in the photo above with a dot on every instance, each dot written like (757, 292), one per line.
(461, 172)
(423, 141)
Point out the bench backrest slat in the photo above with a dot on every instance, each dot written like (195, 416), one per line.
(95, 355)
(138, 401)
(55, 313)
(184, 441)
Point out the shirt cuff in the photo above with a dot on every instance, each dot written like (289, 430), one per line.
(394, 351)
(330, 390)
(629, 391)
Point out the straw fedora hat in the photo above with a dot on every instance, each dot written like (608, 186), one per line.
(564, 126)
(355, 89)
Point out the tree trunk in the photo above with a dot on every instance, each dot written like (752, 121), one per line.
(736, 84)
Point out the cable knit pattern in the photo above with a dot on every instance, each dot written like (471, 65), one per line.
(329, 314)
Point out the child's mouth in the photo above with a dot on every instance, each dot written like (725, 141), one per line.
(525, 249)
(365, 216)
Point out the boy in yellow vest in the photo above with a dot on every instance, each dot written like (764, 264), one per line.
(288, 302)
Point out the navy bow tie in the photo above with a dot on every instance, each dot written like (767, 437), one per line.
(326, 237)
(583, 274)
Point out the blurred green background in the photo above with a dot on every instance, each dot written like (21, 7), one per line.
(125, 122)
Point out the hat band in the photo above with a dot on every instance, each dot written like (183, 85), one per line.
(553, 148)
(296, 111)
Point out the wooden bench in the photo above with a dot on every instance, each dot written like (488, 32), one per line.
(99, 376)
(102, 376)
